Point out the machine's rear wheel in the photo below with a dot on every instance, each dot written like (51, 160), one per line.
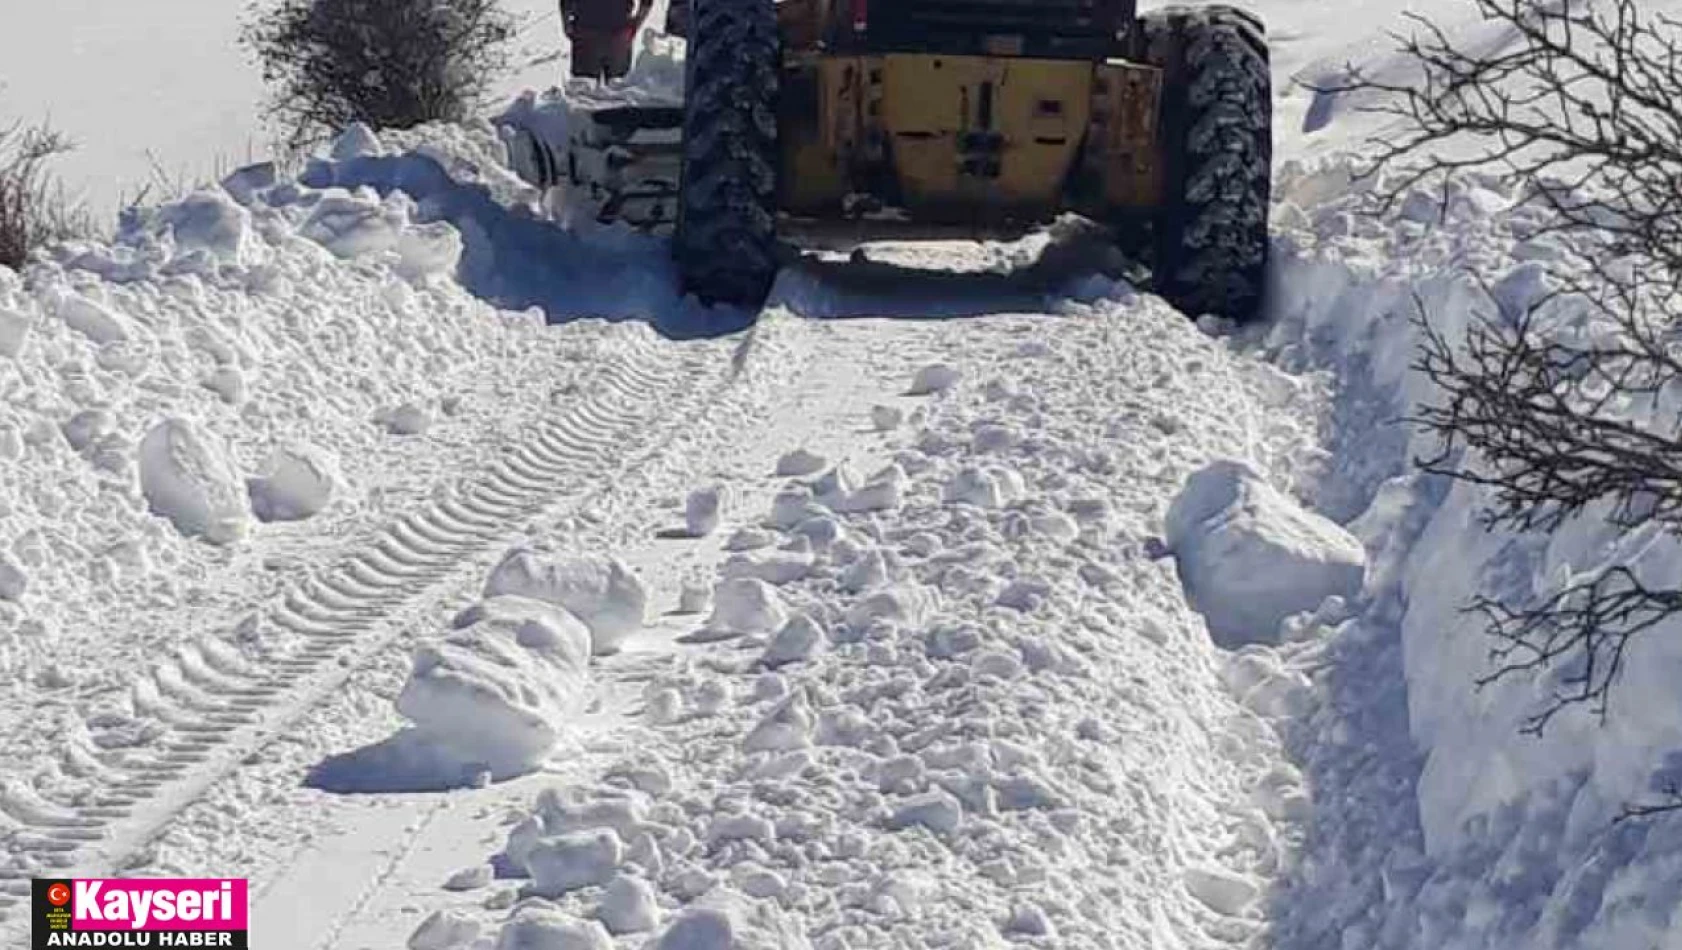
(677, 18)
(725, 241)
(1217, 124)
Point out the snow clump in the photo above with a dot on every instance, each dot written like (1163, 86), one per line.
(537, 928)
(444, 930)
(496, 694)
(572, 861)
(628, 906)
(800, 463)
(602, 592)
(406, 419)
(1250, 556)
(746, 605)
(702, 511)
(799, 639)
(728, 920)
(886, 418)
(298, 481)
(356, 141)
(188, 478)
(934, 378)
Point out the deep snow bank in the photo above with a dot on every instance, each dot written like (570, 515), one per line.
(513, 251)
(231, 363)
(1514, 845)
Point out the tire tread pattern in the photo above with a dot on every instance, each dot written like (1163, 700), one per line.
(725, 242)
(1217, 121)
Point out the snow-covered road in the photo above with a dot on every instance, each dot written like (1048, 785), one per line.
(1014, 497)
(930, 681)
(1184, 793)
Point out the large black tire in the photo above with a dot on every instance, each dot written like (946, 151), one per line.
(677, 18)
(725, 241)
(1211, 234)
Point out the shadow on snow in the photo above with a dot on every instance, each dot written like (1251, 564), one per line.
(516, 261)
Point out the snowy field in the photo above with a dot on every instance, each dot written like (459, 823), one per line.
(1009, 610)
(161, 88)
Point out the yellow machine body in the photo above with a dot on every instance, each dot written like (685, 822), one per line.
(969, 139)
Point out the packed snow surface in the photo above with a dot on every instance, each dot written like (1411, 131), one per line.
(839, 755)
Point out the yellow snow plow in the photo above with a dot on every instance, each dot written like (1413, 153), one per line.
(977, 113)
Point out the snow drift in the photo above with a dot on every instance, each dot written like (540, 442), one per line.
(1514, 843)
(211, 374)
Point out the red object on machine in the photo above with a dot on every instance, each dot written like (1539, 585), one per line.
(602, 34)
(861, 15)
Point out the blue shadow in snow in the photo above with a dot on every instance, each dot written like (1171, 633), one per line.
(1066, 268)
(515, 261)
(402, 762)
(1529, 872)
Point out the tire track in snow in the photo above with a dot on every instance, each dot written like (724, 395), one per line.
(826, 408)
(216, 708)
(411, 839)
(734, 408)
(811, 371)
(745, 418)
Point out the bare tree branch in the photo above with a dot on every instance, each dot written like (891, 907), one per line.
(1670, 803)
(1568, 407)
(34, 210)
(1581, 104)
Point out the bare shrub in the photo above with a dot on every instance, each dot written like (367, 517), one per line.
(34, 209)
(385, 63)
